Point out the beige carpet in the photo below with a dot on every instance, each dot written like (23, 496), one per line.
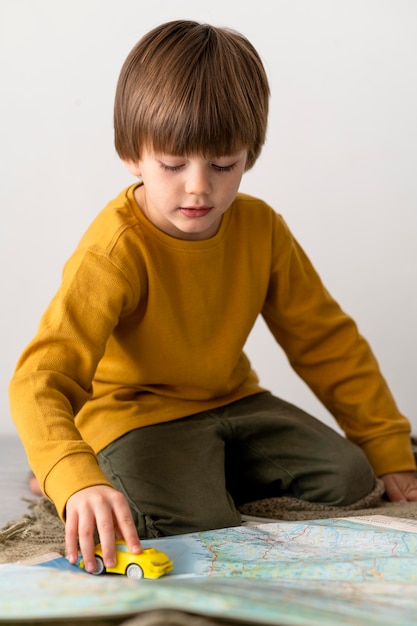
(39, 531)
(291, 509)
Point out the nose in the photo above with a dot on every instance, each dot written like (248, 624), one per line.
(198, 180)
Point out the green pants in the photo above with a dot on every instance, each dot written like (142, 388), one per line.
(190, 474)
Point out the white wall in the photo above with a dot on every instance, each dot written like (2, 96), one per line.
(339, 164)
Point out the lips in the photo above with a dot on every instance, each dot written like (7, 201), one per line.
(195, 212)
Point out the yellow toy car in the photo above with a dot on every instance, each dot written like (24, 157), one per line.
(151, 563)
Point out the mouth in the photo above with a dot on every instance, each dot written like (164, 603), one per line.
(194, 212)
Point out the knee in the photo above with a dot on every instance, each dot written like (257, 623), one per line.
(353, 480)
(340, 480)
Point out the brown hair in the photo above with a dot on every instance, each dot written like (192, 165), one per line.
(190, 88)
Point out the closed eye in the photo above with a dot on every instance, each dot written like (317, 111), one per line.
(170, 168)
(216, 168)
(223, 168)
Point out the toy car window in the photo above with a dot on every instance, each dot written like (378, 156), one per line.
(121, 547)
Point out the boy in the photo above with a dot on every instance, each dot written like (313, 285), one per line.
(138, 409)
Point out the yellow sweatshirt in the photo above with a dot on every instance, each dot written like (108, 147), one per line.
(146, 328)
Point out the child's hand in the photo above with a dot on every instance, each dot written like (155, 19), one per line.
(401, 486)
(105, 509)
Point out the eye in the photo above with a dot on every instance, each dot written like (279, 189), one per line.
(170, 168)
(223, 168)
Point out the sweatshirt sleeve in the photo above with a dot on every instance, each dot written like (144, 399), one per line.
(53, 377)
(327, 351)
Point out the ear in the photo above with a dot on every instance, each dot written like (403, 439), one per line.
(133, 167)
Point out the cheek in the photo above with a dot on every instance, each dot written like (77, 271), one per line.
(233, 186)
(159, 191)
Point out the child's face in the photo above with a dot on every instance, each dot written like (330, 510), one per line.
(186, 197)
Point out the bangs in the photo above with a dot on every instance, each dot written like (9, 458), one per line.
(195, 120)
(199, 91)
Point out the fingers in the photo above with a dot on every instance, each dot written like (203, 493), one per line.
(81, 513)
(71, 537)
(86, 540)
(106, 510)
(392, 488)
(410, 490)
(126, 527)
(401, 486)
(114, 520)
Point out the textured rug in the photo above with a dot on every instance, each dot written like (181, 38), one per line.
(37, 532)
(291, 509)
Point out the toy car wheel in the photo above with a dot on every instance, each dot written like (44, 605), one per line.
(100, 569)
(134, 571)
